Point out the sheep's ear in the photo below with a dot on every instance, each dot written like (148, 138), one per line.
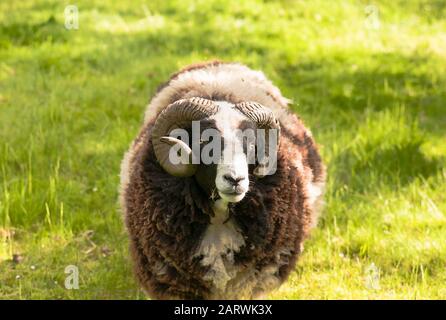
(260, 172)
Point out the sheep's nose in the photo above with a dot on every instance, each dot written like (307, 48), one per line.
(232, 179)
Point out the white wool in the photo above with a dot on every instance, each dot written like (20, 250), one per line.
(220, 241)
(226, 79)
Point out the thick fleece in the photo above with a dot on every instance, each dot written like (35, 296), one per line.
(168, 217)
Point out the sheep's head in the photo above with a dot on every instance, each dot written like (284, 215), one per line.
(228, 142)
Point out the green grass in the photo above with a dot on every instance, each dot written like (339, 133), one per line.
(374, 95)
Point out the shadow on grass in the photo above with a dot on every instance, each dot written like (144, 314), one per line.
(27, 34)
(383, 81)
(348, 94)
(394, 166)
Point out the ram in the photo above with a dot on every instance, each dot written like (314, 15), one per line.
(226, 229)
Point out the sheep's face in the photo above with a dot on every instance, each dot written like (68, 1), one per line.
(217, 143)
(226, 175)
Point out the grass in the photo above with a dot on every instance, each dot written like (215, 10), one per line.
(372, 87)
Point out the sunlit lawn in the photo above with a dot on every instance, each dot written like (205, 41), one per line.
(369, 81)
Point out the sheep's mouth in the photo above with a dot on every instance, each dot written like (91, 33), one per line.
(232, 193)
(232, 196)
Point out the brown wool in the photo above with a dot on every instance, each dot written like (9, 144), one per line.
(166, 216)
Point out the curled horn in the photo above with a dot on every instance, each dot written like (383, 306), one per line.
(179, 114)
(265, 119)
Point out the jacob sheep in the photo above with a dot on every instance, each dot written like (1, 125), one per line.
(227, 230)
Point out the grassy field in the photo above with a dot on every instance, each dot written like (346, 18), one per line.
(369, 80)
